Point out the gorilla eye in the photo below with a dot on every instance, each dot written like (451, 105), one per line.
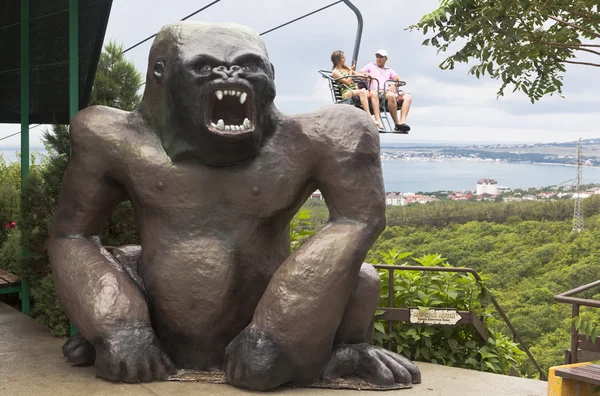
(248, 67)
(159, 69)
(203, 68)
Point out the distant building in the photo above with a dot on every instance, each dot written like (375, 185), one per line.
(394, 199)
(487, 186)
(317, 195)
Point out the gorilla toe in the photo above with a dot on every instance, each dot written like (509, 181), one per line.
(78, 350)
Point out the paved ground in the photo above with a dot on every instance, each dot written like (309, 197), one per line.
(31, 364)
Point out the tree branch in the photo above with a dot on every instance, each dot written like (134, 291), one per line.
(588, 31)
(573, 46)
(581, 63)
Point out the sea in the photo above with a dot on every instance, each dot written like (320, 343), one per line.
(427, 176)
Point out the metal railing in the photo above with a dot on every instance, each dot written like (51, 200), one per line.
(467, 319)
(579, 341)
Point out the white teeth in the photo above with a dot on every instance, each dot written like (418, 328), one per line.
(243, 97)
(219, 94)
(227, 128)
(232, 93)
(212, 124)
(242, 128)
(235, 128)
(247, 123)
(220, 125)
(238, 93)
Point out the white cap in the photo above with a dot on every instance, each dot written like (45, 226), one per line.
(381, 52)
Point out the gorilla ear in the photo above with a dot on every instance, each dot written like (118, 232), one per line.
(273, 70)
(159, 70)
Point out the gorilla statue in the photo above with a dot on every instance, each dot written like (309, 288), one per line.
(215, 173)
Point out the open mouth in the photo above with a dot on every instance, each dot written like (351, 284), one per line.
(231, 110)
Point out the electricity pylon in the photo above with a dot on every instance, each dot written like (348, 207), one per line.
(577, 212)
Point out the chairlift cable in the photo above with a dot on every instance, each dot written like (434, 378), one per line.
(183, 19)
(14, 134)
(302, 17)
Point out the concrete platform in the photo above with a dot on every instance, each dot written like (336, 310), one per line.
(31, 364)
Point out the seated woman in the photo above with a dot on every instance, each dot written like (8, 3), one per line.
(348, 87)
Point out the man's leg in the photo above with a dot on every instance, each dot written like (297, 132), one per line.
(392, 105)
(407, 100)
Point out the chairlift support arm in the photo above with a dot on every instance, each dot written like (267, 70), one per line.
(359, 29)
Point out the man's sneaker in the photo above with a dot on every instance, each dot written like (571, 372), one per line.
(402, 128)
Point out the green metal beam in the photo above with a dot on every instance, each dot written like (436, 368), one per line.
(9, 290)
(24, 130)
(73, 74)
(73, 57)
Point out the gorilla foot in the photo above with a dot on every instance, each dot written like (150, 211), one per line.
(132, 355)
(372, 364)
(78, 350)
(253, 361)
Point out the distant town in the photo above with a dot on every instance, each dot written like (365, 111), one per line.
(547, 153)
(486, 190)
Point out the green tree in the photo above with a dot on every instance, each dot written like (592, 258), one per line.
(523, 43)
(117, 80)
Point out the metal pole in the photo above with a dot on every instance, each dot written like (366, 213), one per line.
(359, 29)
(390, 305)
(73, 76)
(24, 133)
(73, 58)
(574, 334)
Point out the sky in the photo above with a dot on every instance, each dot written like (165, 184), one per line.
(449, 106)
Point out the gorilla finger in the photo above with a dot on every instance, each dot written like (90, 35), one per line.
(341, 363)
(144, 370)
(72, 343)
(158, 370)
(168, 365)
(401, 375)
(407, 364)
(82, 354)
(374, 371)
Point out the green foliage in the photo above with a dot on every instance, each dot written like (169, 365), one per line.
(458, 346)
(47, 309)
(117, 80)
(10, 183)
(10, 252)
(587, 328)
(523, 43)
(300, 229)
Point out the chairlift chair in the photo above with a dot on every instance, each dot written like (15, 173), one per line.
(363, 81)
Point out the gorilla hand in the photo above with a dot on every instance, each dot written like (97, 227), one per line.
(132, 355)
(372, 364)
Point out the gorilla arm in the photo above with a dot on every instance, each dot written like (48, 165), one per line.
(304, 302)
(97, 294)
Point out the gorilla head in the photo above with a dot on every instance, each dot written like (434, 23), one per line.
(209, 92)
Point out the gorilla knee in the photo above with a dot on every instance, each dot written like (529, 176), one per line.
(368, 282)
(253, 361)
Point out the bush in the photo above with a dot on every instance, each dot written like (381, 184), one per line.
(458, 346)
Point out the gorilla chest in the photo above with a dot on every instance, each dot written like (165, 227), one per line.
(261, 188)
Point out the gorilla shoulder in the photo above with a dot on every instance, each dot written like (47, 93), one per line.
(341, 126)
(96, 127)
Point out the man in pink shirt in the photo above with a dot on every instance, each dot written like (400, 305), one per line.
(379, 72)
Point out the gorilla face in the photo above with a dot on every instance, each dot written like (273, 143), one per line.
(219, 94)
